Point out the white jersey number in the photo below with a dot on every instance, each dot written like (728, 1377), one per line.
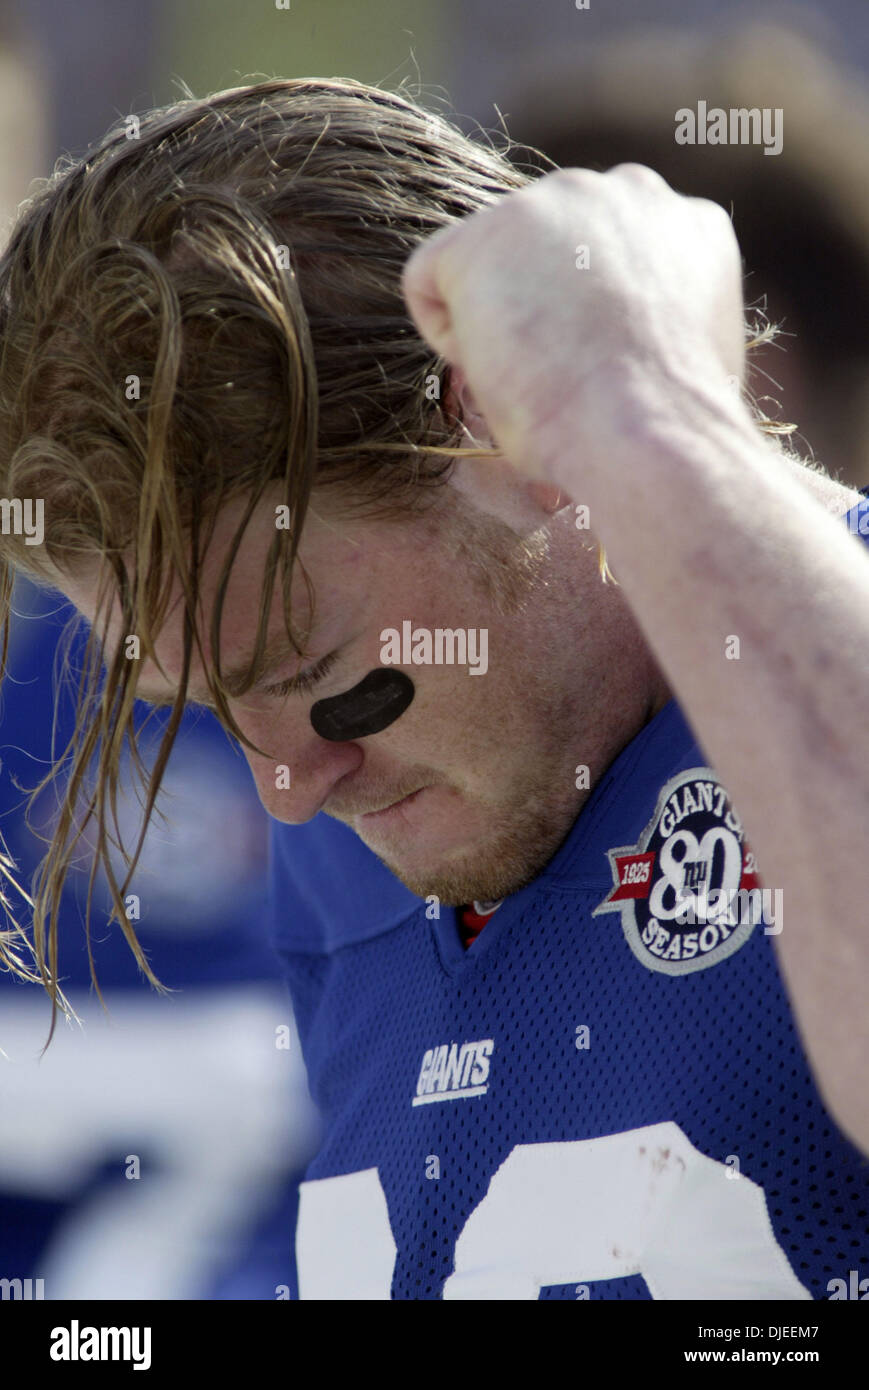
(642, 1202)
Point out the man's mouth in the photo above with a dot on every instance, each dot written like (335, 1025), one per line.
(378, 817)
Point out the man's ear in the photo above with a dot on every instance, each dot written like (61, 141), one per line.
(458, 404)
(547, 496)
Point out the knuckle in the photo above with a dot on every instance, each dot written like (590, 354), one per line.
(715, 217)
(639, 174)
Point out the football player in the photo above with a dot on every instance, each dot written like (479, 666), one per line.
(326, 400)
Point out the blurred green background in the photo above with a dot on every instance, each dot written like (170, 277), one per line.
(212, 44)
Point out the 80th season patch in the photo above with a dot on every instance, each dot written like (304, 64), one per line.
(688, 890)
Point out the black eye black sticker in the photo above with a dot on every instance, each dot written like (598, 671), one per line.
(372, 705)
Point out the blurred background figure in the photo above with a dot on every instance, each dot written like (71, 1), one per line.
(602, 87)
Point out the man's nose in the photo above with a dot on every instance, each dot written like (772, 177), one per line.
(300, 770)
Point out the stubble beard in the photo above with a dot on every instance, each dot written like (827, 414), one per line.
(519, 848)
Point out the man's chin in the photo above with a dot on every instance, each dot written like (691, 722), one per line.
(455, 850)
(485, 873)
(437, 830)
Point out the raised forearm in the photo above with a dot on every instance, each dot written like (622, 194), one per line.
(715, 537)
(607, 375)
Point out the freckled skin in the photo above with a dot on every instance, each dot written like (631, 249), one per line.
(570, 681)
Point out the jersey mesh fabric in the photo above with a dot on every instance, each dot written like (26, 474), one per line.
(715, 1051)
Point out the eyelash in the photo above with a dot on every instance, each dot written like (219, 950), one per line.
(298, 685)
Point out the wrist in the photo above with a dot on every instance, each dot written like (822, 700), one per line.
(626, 416)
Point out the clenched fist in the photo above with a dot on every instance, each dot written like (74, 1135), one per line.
(579, 303)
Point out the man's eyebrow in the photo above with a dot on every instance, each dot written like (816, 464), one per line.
(275, 651)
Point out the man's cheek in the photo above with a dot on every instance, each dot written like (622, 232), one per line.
(369, 708)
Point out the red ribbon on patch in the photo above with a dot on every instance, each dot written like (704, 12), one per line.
(633, 882)
(635, 875)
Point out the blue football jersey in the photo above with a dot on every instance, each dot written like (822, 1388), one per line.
(604, 1097)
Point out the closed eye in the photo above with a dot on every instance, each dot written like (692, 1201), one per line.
(298, 685)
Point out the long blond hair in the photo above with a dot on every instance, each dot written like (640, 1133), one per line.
(207, 305)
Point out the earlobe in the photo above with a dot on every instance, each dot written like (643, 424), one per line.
(547, 496)
(459, 404)
(450, 403)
